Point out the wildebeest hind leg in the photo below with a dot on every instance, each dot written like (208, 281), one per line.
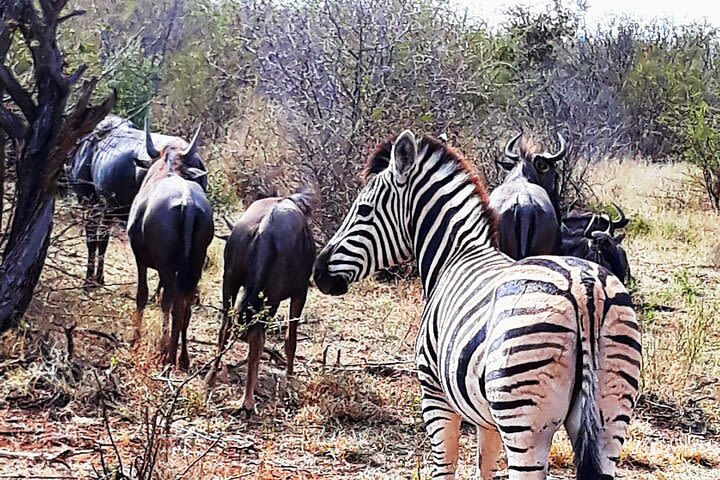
(140, 300)
(296, 308)
(229, 294)
(256, 341)
(103, 236)
(166, 305)
(186, 308)
(91, 241)
(177, 324)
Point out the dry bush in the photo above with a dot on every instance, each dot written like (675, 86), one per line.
(346, 397)
(45, 372)
(254, 159)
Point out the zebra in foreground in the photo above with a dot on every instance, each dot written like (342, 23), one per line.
(515, 348)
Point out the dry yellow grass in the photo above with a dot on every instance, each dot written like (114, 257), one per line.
(352, 418)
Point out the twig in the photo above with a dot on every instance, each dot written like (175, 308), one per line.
(106, 421)
(46, 457)
(375, 364)
(200, 457)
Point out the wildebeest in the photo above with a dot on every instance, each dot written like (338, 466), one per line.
(592, 237)
(270, 254)
(528, 202)
(170, 227)
(105, 177)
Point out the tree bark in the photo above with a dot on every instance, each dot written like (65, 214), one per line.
(47, 137)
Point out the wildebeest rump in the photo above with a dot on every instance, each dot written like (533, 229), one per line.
(270, 254)
(527, 202)
(170, 228)
(105, 177)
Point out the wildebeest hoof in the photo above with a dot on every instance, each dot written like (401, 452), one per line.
(184, 364)
(213, 376)
(248, 411)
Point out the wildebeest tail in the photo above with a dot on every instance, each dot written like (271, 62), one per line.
(187, 276)
(523, 234)
(262, 254)
(306, 200)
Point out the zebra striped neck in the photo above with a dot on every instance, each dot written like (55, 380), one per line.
(449, 213)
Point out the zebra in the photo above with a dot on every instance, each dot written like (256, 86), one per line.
(515, 348)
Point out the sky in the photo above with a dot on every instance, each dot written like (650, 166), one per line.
(599, 11)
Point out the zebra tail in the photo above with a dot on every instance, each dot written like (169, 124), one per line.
(586, 447)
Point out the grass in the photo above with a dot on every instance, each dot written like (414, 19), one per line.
(345, 414)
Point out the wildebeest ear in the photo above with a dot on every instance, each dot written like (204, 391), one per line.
(403, 153)
(195, 173)
(142, 163)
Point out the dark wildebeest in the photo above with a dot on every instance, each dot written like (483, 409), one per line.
(576, 221)
(270, 254)
(170, 228)
(592, 237)
(105, 177)
(528, 201)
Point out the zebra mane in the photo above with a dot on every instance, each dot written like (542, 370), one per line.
(380, 160)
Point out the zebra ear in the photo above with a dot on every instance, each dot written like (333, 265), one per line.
(403, 153)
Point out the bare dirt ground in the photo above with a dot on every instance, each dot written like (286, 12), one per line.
(76, 401)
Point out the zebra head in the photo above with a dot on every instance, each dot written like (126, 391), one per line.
(374, 234)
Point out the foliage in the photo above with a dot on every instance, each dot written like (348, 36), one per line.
(704, 147)
(294, 93)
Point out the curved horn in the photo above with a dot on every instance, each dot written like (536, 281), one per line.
(228, 222)
(510, 147)
(193, 144)
(149, 146)
(622, 221)
(554, 157)
(588, 229)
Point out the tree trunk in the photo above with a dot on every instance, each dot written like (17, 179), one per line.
(48, 137)
(21, 267)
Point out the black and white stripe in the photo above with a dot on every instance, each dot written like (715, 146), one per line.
(516, 348)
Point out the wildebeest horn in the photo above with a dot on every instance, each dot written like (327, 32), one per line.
(588, 229)
(228, 222)
(554, 157)
(510, 148)
(193, 144)
(149, 147)
(622, 221)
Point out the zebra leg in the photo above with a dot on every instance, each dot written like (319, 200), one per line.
(489, 448)
(443, 428)
(529, 462)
